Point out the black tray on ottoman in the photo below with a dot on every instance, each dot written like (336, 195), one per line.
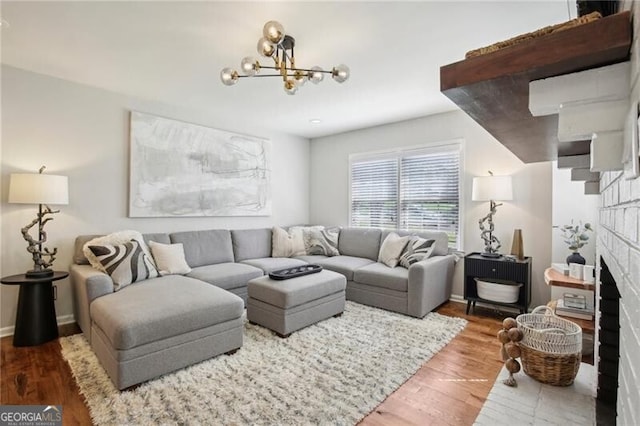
(297, 271)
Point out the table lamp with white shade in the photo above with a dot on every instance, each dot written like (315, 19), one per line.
(491, 188)
(41, 189)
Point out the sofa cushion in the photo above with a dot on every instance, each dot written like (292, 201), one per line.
(226, 275)
(344, 265)
(270, 264)
(160, 308)
(359, 242)
(158, 237)
(380, 275)
(251, 243)
(205, 247)
(169, 258)
(312, 258)
(125, 263)
(391, 249)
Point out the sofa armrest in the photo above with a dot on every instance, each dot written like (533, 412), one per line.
(430, 283)
(88, 284)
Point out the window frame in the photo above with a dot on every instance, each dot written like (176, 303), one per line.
(410, 151)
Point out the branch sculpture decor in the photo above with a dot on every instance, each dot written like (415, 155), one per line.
(491, 242)
(38, 253)
(39, 189)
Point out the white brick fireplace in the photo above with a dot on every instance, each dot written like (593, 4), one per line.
(618, 244)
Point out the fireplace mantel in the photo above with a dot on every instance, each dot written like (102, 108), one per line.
(494, 88)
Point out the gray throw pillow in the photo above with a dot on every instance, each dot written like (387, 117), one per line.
(418, 249)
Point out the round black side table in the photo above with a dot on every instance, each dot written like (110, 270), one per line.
(36, 317)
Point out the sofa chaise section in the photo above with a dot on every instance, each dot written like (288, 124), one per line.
(161, 325)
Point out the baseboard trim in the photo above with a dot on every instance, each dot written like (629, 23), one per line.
(457, 298)
(62, 320)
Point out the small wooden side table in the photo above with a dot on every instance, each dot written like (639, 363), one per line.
(36, 316)
(558, 279)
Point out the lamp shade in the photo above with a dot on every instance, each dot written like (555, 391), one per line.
(33, 188)
(496, 188)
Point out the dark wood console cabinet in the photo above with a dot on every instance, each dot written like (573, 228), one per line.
(477, 266)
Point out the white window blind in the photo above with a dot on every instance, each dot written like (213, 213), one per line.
(429, 193)
(374, 193)
(410, 190)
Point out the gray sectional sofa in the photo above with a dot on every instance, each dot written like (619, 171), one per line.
(163, 324)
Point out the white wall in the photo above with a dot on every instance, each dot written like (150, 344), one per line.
(82, 132)
(571, 203)
(530, 210)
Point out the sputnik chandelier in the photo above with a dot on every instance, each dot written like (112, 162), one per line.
(277, 45)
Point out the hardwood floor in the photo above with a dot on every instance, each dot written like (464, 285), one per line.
(448, 390)
(39, 375)
(452, 386)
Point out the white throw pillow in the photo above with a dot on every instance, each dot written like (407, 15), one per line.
(114, 239)
(392, 248)
(169, 258)
(287, 244)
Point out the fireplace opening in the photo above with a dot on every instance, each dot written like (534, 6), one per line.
(608, 348)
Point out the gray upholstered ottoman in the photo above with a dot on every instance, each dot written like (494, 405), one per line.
(289, 305)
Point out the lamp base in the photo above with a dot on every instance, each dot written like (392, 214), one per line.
(43, 273)
(491, 255)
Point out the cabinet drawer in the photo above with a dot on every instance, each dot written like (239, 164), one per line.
(511, 271)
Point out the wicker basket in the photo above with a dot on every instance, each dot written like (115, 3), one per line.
(551, 349)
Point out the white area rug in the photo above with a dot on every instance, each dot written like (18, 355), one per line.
(334, 372)
(534, 403)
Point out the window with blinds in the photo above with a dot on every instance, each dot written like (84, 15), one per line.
(410, 190)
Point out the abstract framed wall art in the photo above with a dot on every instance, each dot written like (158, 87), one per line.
(182, 169)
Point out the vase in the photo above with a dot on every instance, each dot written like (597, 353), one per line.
(576, 258)
(517, 248)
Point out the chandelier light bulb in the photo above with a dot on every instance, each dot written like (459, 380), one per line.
(316, 75)
(340, 73)
(290, 87)
(273, 31)
(266, 48)
(300, 78)
(229, 76)
(250, 66)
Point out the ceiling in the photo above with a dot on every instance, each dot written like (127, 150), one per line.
(172, 52)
